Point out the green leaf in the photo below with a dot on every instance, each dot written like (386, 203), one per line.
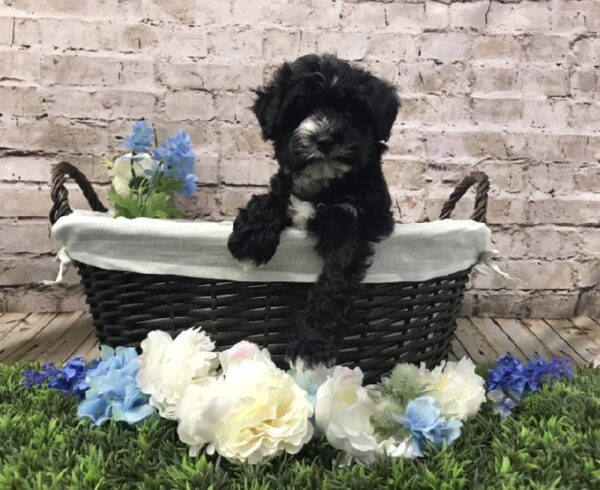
(124, 206)
(158, 206)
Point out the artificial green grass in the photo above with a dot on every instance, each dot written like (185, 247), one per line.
(553, 442)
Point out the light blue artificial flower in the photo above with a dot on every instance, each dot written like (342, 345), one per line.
(113, 392)
(189, 187)
(141, 139)
(423, 418)
(178, 160)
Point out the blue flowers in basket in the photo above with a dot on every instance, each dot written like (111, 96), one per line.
(145, 179)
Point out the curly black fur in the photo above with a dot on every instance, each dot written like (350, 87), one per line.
(327, 121)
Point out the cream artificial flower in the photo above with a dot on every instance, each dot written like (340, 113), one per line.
(342, 412)
(268, 413)
(168, 367)
(198, 411)
(456, 386)
(128, 166)
(244, 351)
(394, 449)
(252, 412)
(310, 379)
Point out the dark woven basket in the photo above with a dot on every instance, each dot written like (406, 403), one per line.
(391, 322)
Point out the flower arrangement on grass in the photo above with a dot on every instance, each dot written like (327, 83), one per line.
(511, 381)
(113, 392)
(145, 179)
(240, 405)
(70, 378)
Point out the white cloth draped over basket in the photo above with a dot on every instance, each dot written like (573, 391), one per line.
(414, 252)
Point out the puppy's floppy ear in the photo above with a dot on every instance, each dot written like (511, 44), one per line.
(384, 102)
(269, 100)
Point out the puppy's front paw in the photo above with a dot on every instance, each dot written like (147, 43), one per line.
(310, 349)
(251, 243)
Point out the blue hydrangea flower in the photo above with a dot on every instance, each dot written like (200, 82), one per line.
(113, 392)
(511, 381)
(423, 418)
(503, 404)
(69, 379)
(178, 160)
(141, 139)
(508, 376)
(36, 379)
(540, 371)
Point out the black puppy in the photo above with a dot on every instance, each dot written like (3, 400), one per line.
(327, 120)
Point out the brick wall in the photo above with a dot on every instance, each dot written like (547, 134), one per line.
(514, 82)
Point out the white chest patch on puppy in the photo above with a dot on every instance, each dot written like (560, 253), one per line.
(300, 212)
(317, 176)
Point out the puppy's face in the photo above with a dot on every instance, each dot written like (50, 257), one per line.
(326, 134)
(325, 117)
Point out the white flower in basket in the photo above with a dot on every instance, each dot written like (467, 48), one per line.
(128, 167)
(169, 366)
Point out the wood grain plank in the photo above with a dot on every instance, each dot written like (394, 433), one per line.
(552, 340)
(9, 322)
(477, 347)
(458, 350)
(588, 325)
(497, 338)
(452, 357)
(69, 341)
(577, 339)
(22, 335)
(89, 349)
(59, 327)
(527, 341)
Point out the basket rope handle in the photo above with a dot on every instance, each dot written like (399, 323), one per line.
(60, 195)
(481, 196)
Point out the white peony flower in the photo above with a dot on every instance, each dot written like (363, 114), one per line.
(252, 412)
(269, 414)
(168, 367)
(342, 412)
(394, 449)
(456, 386)
(198, 411)
(311, 379)
(244, 351)
(128, 166)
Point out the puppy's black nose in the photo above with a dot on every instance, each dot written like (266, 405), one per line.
(324, 142)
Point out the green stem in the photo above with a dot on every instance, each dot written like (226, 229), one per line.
(153, 183)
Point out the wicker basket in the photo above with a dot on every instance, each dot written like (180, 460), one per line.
(391, 322)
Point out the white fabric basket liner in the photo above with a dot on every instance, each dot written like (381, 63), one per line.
(414, 252)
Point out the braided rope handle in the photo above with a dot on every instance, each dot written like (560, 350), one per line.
(481, 196)
(60, 196)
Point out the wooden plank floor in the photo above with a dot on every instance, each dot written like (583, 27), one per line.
(57, 337)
